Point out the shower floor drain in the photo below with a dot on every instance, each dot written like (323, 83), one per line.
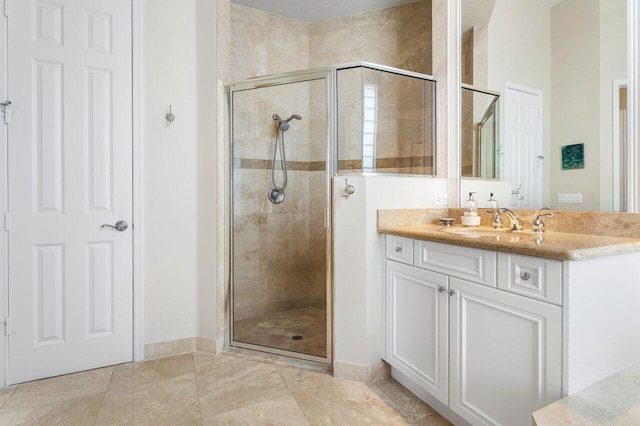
(297, 337)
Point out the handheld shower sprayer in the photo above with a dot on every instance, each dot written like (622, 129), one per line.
(276, 193)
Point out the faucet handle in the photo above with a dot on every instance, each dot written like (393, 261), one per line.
(538, 224)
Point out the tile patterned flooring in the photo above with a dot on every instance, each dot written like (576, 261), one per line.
(204, 389)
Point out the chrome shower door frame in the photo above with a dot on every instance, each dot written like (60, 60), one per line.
(327, 74)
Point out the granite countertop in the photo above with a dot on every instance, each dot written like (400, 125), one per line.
(552, 244)
(614, 400)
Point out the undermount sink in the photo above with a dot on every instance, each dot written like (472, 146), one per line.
(471, 232)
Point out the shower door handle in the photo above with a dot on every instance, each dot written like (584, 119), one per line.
(326, 217)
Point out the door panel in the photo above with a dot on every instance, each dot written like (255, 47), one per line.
(70, 171)
(416, 336)
(505, 355)
(523, 153)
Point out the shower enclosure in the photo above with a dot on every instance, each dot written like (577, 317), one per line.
(284, 154)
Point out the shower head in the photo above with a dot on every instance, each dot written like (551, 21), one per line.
(284, 125)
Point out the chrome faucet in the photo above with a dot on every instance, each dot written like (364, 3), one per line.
(538, 224)
(516, 223)
(497, 220)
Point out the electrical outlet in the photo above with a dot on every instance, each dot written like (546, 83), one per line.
(570, 198)
(441, 199)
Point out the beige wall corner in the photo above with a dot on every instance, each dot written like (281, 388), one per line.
(210, 346)
(207, 169)
(169, 348)
(361, 373)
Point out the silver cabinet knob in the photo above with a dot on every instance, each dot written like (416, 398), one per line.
(441, 289)
(398, 249)
(121, 226)
(525, 276)
(452, 292)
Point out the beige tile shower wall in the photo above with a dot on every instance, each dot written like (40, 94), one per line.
(279, 250)
(397, 36)
(404, 128)
(271, 242)
(263, 43)
(317, 191)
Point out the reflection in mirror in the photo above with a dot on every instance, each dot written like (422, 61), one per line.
(561, 68)
(479, 136)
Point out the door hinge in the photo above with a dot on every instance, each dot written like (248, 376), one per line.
(7, 221)
(5, 111)
(7, 326)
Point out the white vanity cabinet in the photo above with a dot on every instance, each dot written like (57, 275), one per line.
(417, 316)
(490, 354)
(505, 354)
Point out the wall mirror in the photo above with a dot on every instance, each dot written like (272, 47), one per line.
(543, 102)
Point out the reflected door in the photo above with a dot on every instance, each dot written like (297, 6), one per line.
(523, 155)
(280, 240)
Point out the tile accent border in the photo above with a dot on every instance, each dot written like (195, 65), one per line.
(361, 373)
(181, 346)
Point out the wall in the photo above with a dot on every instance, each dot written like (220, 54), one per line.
(516, 27)
(279, 249)
(358, 258)
(263, 43)
(397, 36)
(575, 105)
(613, 66)
(179, 170)
(207, 170)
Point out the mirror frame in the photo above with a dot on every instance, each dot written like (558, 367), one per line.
(454, 80)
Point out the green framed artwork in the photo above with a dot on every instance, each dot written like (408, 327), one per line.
(573, 156)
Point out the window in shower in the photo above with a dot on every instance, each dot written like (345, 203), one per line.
(369, 108)
(395, 131)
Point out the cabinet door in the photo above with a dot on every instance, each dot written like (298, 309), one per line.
(416, 330)
(505, 355)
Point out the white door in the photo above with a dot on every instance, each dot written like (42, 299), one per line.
(506, 355)
(70, 171)
(523, 153)
(417, 312)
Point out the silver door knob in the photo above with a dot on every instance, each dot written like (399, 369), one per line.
(441, 289)
(525, 276)
(452, 292)
(121, 226)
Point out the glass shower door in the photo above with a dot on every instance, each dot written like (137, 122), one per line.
(280, 281)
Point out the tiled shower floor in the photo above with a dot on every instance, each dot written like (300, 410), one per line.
(204, 389)
(277, 329)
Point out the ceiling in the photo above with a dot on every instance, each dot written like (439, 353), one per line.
(319, 10)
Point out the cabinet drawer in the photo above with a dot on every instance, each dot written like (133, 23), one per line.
(399, 249)
(471, 264)
(531, 276)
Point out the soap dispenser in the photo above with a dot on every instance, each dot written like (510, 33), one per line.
(470, 217)
(471, 206)
(492, 204)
